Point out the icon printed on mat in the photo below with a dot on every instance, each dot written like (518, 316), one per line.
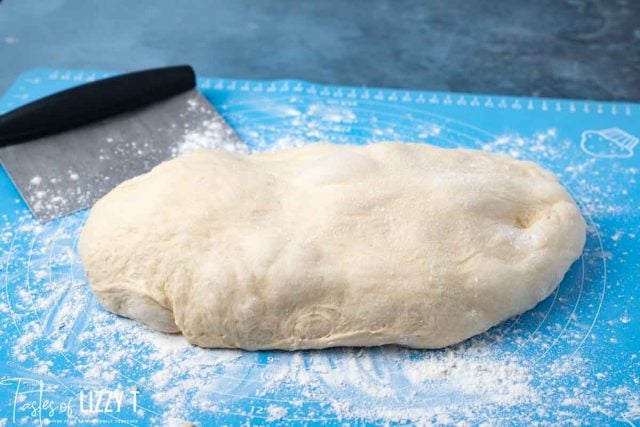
(608, 143)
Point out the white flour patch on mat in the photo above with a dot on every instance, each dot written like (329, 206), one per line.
(310, 123)
(276, 413)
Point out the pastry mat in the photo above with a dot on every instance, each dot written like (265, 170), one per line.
(573, 358)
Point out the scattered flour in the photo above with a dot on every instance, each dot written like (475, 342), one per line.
(213, 134)
(276, 413)
(527, 365)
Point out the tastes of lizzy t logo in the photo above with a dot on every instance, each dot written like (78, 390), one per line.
(34, 401)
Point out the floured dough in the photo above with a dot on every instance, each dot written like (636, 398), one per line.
(331, 245)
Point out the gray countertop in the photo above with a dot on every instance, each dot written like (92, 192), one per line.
(574, 49)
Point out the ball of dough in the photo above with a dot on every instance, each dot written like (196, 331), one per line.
(331, 245)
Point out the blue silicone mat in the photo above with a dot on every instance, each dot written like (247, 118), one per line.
(572, 359)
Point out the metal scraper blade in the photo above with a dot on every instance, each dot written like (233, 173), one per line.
(67, 172)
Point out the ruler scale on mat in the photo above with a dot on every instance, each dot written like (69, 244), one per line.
(573, 358)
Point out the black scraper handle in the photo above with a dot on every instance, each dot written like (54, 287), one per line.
(92, 102)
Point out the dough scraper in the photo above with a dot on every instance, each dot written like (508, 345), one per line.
(65, 151)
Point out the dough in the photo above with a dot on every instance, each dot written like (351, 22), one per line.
(331, 245)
